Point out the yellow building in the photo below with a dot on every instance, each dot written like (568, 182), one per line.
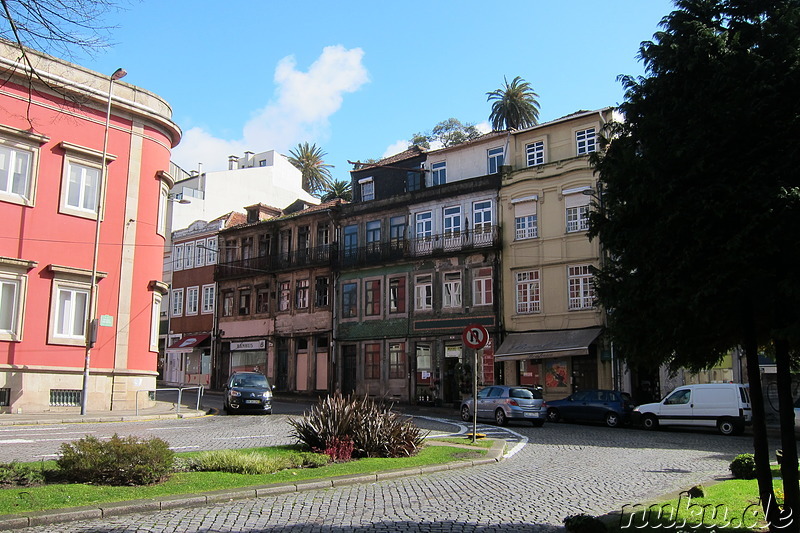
(553, 328)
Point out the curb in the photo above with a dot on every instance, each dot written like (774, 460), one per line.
(107, 510)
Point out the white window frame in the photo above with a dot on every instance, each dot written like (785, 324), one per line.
(17, 282)
(284, 295)
(192, 300)
(534, 153)
(527, 292)
(577, 218)
(580, 287)
(176, 302)
(211, 251)
(87, 159)
(86, 171)
(301, 293)
(367, 189)
(423, 292)
(483, 288)
(155, 322)
(161, 221)
(423, 225)
(494, 159)
(451, 290)
(188, 256)
(526, 218)
(177, 257)
(586, 141)
(55, 334)
(439, 173)
(484, 214)
(200, 253)
(209, 295)
(16, 140)
(452, 220)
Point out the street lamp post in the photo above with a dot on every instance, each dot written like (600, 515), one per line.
(91, 323)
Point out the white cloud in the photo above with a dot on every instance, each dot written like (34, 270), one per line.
(484, 127)
(395, 148)
(303, 103)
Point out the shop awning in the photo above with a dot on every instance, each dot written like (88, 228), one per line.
(188, 343)
(546, 344)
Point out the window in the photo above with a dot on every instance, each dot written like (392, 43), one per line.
(349, 302)
(177, 302)
(679, 397)
(200, 253)
(482, 287)
(585, 141)
(397, 360)
(350, 241)
(188, 256)
(301, 294)
(72, 308)
(424, 358)
(525, 218)
(13, 292)
(227, 303)
(83, 187)
(424, 225)
(372, 298)
(535, 153)
(230, 250)
(323, 235)
(262, 162)
(192, 296)
(262, 300)
(285, 244)
(482, 216)
(367, 189)
(303, 241)
(247, 247)
(528, 292)
(285, 296)
(264, 244)
(211, 250)
(18, 163)
(397, 231)
(177, 257)
(423, 293)
(397, 295)
(452, 290)
(321, 291)
(495, 159)
(209, 294)
(163, 198)
(373, 234)
(413, 180)
(372, 361)
(439, 173)
(577, 212)
(244, 302)
(452, 221)
(581, 287)
(155, 321)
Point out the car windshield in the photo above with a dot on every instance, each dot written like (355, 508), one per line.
(525, 394)
(250, 381)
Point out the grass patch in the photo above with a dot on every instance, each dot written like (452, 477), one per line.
(480, 443)
(731, 506)
(56, 496)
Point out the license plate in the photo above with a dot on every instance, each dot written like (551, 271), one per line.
(532, 415)
(252, 401)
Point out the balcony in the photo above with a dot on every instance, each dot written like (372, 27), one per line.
(254, 266)
(440, 244)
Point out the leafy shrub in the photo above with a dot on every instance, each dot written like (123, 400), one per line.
(743, 466)
(118, 461)
(15, 474)
(372, 428)
(339, 449)
(698, 491)
(584, 523)
(237, 462)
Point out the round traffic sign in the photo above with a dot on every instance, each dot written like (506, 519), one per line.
(475, 336)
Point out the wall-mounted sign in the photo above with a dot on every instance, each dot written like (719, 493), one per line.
(249, 345)
(107, 321)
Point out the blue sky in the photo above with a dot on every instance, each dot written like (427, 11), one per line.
(358, 78)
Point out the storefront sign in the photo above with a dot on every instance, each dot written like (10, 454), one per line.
(249, 345)
(452, 351)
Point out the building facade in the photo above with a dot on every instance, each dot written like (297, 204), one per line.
(52, 129)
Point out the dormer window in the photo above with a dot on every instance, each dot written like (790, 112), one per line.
(367, 189)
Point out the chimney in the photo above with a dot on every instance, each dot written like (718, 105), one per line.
(248, 158)
(232, 162)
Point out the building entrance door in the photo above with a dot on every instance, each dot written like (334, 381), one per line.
(348, 369)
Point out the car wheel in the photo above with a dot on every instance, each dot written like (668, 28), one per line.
(227, 410)
(612, 420)
(649, 422)
(500, 417)
(726, 426)
(537, 423)
(269, 412)
(553, 415)
(466, 416)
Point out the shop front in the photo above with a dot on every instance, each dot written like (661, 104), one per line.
(248, 356)
(188, 361)
(559, 361)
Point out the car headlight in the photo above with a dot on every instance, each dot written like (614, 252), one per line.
(636, 409)
(267, 395)
(235, 393)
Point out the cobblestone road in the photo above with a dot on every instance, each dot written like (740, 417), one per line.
(561, 469)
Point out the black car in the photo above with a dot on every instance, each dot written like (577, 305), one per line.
(248, 391)
(612, 407)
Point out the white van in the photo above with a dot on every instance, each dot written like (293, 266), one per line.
(725, 406)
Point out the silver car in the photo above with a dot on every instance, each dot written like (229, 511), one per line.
(502, 403)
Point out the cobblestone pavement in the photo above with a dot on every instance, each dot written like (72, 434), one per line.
(560, 469)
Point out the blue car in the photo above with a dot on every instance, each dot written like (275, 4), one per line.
(611, 407)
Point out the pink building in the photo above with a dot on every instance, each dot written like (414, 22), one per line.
(52, 128)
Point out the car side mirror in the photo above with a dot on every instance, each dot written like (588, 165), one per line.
(272, 387)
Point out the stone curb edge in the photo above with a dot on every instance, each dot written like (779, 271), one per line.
(56, 516)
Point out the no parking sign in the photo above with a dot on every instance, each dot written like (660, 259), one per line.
(475, 336)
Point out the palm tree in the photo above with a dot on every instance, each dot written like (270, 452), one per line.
(516, 106)
(308, 159)
(338, 189)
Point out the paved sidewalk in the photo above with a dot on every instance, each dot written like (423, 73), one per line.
(161, 410)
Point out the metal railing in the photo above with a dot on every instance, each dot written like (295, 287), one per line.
(180, 390)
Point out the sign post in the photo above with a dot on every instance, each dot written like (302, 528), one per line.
(475, 336)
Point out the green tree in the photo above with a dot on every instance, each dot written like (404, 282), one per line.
(515, 106)
(309, 160)
(448, 132)
(338, 189)
(699, 196)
